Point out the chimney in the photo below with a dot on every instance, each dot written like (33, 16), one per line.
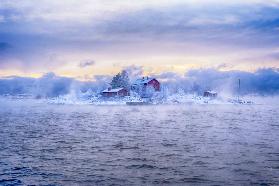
(109, 89)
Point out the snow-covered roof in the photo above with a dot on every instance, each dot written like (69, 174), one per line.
(143, 81)
(108, 90)
(211, 92)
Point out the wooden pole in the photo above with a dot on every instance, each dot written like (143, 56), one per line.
(238, 88)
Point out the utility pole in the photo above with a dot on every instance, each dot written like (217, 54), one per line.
(238, 88)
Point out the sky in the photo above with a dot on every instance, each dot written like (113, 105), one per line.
(84, 39)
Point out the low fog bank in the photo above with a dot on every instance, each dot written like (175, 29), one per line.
(264, 83)
(47, 86)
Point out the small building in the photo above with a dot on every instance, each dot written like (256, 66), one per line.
(146, 86)
(210, 94)
(143, 83)
(121, 92)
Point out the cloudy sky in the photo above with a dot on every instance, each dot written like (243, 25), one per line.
(85, 38)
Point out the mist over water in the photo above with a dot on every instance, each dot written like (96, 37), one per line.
(50, 144)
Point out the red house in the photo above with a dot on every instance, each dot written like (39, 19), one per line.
(121, 92)
(145, 86)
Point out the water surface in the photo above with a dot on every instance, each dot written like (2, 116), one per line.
(45, 144)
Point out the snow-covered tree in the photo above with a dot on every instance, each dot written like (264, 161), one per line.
(121, 80)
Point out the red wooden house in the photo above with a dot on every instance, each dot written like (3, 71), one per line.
(146, 85)
(121, 92)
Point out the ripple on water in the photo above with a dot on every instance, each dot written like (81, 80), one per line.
(91, 145)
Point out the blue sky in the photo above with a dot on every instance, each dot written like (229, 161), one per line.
(86, 38)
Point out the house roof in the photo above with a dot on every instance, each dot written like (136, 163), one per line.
(112, 90)
(211, 92)
(143, 81)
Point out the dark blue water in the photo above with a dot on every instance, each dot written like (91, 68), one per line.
(43, 144)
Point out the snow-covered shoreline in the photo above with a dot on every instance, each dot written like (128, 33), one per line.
(159, 99)
(174, 99)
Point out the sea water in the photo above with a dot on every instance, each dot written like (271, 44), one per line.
(50, 144)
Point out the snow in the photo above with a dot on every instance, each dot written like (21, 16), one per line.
(158, 98)
(142, 81)
(112, 90)
(211, 92)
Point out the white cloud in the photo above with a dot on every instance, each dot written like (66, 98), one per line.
(2, 19)
(132, 29)
(224, 20)
(86, 10)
